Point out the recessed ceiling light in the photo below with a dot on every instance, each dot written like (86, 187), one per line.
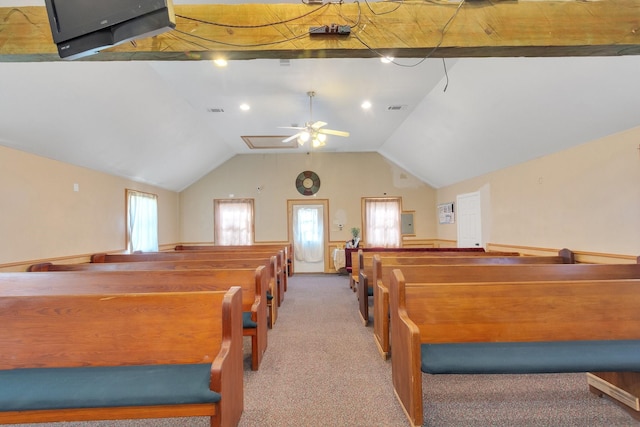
(245, 107)
(366, 105)
(220, 62)
(387, 59)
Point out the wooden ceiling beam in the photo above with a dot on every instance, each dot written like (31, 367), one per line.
(479, 28)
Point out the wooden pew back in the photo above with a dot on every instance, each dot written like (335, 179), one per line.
(565, 256)
(252, 281)
(521, 311)
(286, 248)
(182, 256)
(351, 254)
(179, 265)
(503, 273)
(196, 256)
(109, 329)
(521, 268)
(364, 258)
(353, 261)
(459, 258)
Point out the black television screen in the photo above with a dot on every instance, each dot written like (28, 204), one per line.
(80, 27)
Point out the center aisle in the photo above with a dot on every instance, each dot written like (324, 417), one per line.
(321, 367)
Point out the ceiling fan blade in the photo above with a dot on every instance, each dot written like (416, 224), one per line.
(291, 127)
(291, 138)
(318, 125)
(333, 132)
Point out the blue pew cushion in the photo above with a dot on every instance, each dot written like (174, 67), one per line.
(247, 323)
(530, 357)
(99, 387)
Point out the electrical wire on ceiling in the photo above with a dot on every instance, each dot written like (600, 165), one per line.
(430, 54)
(269, 24)
(289, 39)
(400, 2)
(442, 34)
(187, 37)
(446, 75)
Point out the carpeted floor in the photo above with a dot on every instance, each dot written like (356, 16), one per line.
(322, 368)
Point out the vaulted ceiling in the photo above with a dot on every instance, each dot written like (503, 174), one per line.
(168, 123)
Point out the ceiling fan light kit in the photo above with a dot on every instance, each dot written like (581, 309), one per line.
(312, 130)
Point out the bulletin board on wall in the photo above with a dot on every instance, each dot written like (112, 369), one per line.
(445, 213)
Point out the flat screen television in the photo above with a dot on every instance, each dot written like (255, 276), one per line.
(84, 27)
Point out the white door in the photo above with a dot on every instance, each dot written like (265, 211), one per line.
(469, 220)
(308, 238)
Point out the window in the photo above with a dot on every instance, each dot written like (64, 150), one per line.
(233, 221)
(142, 221)
(382, 222)
(308, 233)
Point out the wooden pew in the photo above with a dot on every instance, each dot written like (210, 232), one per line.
(121, 356)
(196, 256)
(510, 327)
(179, 266)
(479, 273)
(235, 252)
(253, 282)
(364, 256)
(352, 256)
(288, 251)
(365, 288)
(281, 251)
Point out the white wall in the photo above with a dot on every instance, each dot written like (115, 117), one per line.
(585, 198)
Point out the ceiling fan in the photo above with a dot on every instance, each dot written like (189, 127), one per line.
(312, 131)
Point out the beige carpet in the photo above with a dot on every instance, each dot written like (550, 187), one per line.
(322, 369)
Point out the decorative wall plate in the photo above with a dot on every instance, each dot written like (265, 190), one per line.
(308, 183)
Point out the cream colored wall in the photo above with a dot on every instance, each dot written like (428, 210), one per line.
(586, 198)
(345, 178)
(42, 217)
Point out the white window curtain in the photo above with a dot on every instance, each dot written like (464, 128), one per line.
(233, 222)
(142, 221)
(382, 222)
(307, 234)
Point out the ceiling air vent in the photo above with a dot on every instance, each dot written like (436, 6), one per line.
(396, 107)
(215, 110)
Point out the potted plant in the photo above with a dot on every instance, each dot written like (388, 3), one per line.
(355, 233)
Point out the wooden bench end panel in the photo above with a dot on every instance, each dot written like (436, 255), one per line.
(406, 359)
(227, 370)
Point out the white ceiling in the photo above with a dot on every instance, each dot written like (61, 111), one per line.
(149, 121)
